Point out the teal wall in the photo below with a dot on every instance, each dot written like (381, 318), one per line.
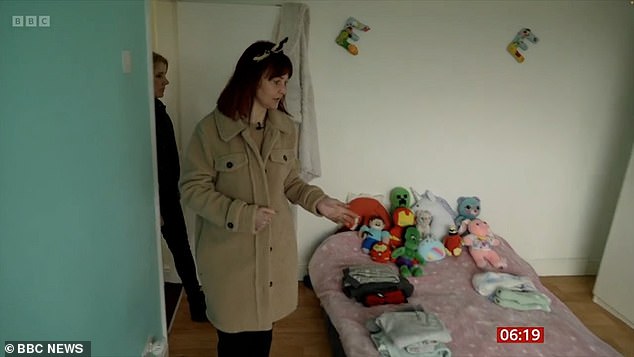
(78, 246)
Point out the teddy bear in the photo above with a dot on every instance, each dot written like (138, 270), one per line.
(481, 240)
(453, 242)
(407, 257)
(373, 233)
(468, 208)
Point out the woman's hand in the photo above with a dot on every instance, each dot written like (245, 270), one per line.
(336, 211)
(263, 217)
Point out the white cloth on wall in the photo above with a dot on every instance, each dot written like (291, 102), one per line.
(294, 23)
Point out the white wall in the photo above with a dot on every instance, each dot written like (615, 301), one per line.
(434, 101)
(614, 288)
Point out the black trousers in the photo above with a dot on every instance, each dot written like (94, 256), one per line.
(244, 344)
(175, 234)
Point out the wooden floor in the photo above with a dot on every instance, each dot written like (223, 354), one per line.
(303, 333)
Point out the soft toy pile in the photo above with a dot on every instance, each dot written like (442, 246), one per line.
(415, 229)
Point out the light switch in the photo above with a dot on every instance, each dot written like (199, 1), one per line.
(126, 61)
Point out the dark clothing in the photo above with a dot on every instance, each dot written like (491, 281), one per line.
(244, 344)
(174, 230)
(167, 156)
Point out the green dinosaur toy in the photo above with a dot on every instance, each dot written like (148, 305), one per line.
(407, 257)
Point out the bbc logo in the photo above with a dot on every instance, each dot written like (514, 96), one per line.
(31, 21)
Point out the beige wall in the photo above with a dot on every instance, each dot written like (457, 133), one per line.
(614, 288)
(434, 101)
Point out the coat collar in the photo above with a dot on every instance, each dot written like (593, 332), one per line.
(229, 128)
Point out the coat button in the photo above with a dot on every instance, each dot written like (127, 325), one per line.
(285, 158)
(270, 284)
(270, 249)
(230, 225)
(229, 164)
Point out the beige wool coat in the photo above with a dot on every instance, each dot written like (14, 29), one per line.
(249, 279)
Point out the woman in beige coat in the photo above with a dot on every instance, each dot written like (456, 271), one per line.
(239, 174)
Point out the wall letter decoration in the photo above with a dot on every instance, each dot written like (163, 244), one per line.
(348, 33)
(519, 42)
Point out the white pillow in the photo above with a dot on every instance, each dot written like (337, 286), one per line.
(442, 214)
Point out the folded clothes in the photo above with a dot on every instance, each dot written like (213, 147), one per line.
(521, 300)
(486, 283)
(523, 297)
(388, 297)
(387, 348)
(424, 345)
(360, 281)
(409, 327)
(370, 273)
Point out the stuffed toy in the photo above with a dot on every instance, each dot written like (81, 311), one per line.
(453, 242)
(468, 208)
(365, 208)
(399, 197)
(372, 233)
(439, 208)
(423, 223)
(481, 241)
(407, 257)
(518, 42)
(402, 217)
(348, 33)
(429, 248)
(381, 252)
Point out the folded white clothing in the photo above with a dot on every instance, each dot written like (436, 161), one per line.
(486, 283)
(406, 328)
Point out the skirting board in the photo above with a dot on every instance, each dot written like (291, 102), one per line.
(552, 267)
(302, 270)
(156, 348)
(543, 267)
(615, 313)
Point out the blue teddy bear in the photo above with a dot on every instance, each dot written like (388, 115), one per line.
(468, 208)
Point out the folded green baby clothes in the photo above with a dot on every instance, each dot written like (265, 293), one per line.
(410, 332)
(387, 348)
(521, 300)
(409, 327)
(523, 297)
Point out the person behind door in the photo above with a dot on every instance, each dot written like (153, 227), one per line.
(173, 226)
(240, 171)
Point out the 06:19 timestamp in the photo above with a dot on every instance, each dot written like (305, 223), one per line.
(520, 334)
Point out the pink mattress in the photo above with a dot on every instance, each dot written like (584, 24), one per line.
(446, 290)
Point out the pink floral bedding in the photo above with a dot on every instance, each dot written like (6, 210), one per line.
(446, 290)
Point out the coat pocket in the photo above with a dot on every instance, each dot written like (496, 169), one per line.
(283, 156)
(230, 162)
(281, 161)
